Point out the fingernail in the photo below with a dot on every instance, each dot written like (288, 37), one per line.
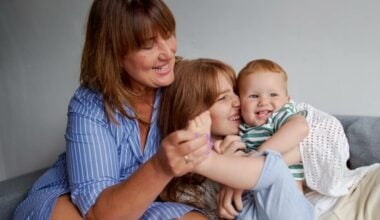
(208, 137)
(209, 141)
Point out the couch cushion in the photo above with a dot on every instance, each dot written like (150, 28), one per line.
(363, 134)
(13, 191)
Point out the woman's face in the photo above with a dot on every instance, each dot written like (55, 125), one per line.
(225, 112)
(152, 65)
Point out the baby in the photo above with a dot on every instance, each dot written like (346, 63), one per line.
(266, 107)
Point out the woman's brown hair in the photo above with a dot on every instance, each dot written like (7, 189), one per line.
(114, 29)
(194, 90)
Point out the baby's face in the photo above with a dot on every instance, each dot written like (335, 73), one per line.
(262, 94)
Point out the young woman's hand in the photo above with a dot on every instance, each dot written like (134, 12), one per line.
(229, 202)
(230, 145)
(181, 152)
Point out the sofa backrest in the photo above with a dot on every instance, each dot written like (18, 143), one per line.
(363, 134)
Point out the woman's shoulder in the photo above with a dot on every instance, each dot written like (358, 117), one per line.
(86, 94)
(86, 101)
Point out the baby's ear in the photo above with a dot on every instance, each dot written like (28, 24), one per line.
(289, 98)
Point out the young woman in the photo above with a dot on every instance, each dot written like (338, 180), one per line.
(208, 85)
(116, 164)
(336, 191)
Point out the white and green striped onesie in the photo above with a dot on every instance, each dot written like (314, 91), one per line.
(253, 137)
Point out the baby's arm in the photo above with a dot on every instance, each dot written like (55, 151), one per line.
(288, 136)
(292, 156)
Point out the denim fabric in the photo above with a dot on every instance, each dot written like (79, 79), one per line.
(276, 196)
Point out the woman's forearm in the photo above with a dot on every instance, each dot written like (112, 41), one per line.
(132, 197)
(236, 172)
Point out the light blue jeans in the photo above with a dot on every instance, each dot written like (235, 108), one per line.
(276, 196)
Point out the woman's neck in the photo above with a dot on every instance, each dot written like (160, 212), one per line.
(144, 108)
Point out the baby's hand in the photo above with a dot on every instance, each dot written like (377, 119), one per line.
(229, 146)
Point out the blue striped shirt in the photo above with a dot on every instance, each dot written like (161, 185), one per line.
(99, 154)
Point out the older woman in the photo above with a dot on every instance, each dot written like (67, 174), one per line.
(116, 165)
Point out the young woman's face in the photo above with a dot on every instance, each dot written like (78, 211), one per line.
(152, 65)
(225, 112)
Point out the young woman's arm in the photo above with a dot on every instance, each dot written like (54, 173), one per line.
(234, 171)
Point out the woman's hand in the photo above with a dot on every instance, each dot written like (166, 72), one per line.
(229, 202)
(182, 151)
(230, 145)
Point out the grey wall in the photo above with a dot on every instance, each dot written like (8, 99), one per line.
(40, 51)
(2, 165)
(330, 49)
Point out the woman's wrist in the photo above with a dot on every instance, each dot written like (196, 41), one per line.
(156, 164)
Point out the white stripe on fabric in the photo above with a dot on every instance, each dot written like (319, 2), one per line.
(102, 154)
(99, 154)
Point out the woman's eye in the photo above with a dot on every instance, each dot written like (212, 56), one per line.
(147, 45)
(169, 35)
(222, 98)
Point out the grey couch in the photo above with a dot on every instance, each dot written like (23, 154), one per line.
(363, 134)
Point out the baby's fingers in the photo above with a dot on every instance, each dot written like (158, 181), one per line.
(234, 147)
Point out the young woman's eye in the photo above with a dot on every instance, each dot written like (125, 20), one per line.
(253, 96)
(221, 98)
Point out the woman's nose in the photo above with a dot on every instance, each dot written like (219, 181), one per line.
(236, 101)
(167, 48)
